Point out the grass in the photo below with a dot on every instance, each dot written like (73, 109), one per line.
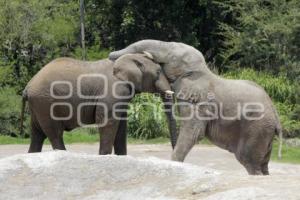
(80, 136)
(69, 138)
(159, 140)
(13, 140)
(289, 154)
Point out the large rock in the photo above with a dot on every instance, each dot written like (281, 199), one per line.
(64, 175)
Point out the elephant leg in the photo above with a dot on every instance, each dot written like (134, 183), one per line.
(265, 164)
(265, 168)
(255, 151)
(250, 154)
(58, 143)
(190, 131)
(107, 137)
(120, 144)
(56, 138)
(253, 167)
(37, 137)
(54, 133)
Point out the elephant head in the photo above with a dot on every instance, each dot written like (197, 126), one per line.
(144, 74)
(147, 76)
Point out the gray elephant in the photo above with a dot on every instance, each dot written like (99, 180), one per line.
(236, 115)
(69, 93)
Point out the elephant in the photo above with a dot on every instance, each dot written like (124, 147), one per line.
(236, 115)
(68, 93)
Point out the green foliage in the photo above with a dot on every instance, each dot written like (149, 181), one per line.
(4, 139)
(280, 88)
(94, 52)
(121, 22)
(79, 135)
(34, 32)
(265, 35)
(258, 34)
(291, 126)
(10, 109)
(146, 118)
(6, 76)
(289, 154)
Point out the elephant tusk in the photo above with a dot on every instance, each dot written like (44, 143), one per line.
(148, 55)
(169, 94)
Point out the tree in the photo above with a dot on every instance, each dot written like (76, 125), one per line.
(34, 32)
(121, 22)
(265, 35)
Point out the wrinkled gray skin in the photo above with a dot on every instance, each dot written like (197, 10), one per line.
(192, 81)
(37, 92)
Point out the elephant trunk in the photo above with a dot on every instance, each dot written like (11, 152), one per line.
(116, 54)
(168, 104)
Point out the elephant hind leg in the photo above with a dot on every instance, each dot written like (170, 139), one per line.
(55, 136)
(57, 142)
(254, 154)
(265, 164)
(249, 155)
(265, 168)
(54, 132)
(252, 167)
(37, 137)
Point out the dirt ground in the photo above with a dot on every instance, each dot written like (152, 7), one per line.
(233, 181)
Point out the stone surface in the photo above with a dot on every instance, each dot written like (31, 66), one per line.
(66, 175)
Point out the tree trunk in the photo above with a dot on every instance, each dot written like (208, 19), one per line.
(82, 29)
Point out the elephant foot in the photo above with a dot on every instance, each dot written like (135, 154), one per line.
(265, 169)
(253, 170)
(177, 158)
(255, 173)
(105, 151)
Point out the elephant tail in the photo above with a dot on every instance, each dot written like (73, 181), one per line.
(278, 131)
(24, 99)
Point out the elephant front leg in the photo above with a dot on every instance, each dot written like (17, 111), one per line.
(120, 143)
(107, 137)
(190, 133)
